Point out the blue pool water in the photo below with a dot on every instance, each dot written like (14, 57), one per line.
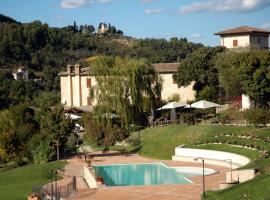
(143, 174)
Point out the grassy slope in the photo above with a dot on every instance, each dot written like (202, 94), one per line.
(15, 184)
(159, 142)
(255, 189)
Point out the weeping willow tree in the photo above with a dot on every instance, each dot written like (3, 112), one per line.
(125, 86)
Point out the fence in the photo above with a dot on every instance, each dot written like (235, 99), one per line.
(52, 191)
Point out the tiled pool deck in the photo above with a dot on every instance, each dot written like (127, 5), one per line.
(161, 192)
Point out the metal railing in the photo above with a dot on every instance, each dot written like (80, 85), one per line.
(52, 191)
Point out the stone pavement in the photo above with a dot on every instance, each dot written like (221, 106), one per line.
(161, 192)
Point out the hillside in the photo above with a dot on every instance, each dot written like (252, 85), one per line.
(37, 45)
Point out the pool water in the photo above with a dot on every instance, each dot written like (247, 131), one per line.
(145, 174)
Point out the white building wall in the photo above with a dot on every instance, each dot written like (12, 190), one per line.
(65, 99)
(246, 102)
(243, 41)
(76, 90)
(169, 88)
(86, 91)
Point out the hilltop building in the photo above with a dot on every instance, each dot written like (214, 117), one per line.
(244, 37)
(103, 28)
(21, 74)
(76, 83)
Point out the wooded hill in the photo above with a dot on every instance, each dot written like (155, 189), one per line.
(37, 46)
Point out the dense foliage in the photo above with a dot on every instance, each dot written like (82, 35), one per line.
(199, 67)
(246, 72)
(46, 49)
(123, 87)
(26, 134)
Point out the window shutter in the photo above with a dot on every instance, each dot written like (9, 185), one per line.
(235, 43)
(88, 82)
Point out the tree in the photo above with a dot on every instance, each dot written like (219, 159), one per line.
(254, 70)
(7, 136)
(17, 125)
(122, 86)
(199, 67)
(56, 126)
(246, 72)
(229, 76)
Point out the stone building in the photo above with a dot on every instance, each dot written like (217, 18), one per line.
(76, 83)
(244, 37)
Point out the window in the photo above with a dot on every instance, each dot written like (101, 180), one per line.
(88, 82)
(235, 43)
(89, 101)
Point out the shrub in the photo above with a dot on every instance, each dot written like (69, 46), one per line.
(257, 116)
(133, 140)
(41, 149)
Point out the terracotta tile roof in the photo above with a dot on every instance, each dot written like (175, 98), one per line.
(159, 67)
(166, 67)
(241, 30)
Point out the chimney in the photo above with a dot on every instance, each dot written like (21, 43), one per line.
(69, 69)
(77, 69)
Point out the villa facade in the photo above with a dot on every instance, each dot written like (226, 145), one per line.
(244, 37)
(76, 83)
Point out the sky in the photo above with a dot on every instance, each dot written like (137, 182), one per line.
(196, 20)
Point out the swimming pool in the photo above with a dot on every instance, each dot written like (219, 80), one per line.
(147, 174)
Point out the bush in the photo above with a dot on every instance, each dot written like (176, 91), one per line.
(41, 149)
(133, 140)
(257, 116)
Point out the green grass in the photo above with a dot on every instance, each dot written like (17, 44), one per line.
(16, 184)
(255, 189)
(160, 142)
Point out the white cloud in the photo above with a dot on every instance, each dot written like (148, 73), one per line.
(104, 1)
(266, 25)
(197, 36)
(154, 11)
(225, 6)
(69, 4)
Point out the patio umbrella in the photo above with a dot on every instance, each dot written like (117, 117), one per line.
(203, 104)
(172, 106)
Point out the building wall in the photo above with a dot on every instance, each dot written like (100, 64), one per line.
(243, 41)
(86, 90)
(74, 90)
(259, 41)
(65, 99)
(169, 88)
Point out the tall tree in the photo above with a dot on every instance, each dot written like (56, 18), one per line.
(200, 68)
(123, 86)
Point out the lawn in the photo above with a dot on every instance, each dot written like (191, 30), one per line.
(255, 189)
(160, 142)
(15, 184)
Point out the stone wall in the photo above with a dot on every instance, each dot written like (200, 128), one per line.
(240, 175)
(89, 178)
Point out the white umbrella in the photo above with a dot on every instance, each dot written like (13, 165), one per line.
(172, 105)
(203, 104)
(73, 116)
